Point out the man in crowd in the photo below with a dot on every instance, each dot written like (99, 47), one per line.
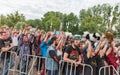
(52, 61)
(72, 54)
(6, 57)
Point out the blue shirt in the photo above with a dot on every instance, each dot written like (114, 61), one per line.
(24, 50)
(50, 63)
(44, 48)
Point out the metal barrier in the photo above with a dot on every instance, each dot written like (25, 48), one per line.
(7, 61)
(13, 57)
(37, 62)
(42, 67)
(37, 65)
(41, 64)
(26, 65)
(108, 70)
(33, 65)
(118, 69)
(68, 68)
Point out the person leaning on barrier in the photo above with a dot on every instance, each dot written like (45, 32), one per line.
(90, 59)
(72, 54)
(52, 58)
(6, 58)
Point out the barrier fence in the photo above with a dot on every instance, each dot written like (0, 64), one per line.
(37, 65)
(118, 69)
(73, 69)
(108, 70)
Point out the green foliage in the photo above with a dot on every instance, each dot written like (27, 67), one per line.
(97, 18)
(20, 25)
(52, 20)
(0, 22)
(12, 18)
(88, 25)
(16, 17)
(35, 23)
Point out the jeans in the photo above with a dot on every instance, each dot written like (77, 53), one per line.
(22, 67)
(7, 64)
(52, 72)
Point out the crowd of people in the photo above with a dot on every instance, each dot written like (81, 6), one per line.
(93, 49)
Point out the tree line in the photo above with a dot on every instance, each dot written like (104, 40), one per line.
(98, 18)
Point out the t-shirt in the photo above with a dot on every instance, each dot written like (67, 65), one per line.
(44, 47)
(73, 53)
(2, 44)
(24, 50)
(15, 41)
(92, 62)
(5, 43)
(50, 63)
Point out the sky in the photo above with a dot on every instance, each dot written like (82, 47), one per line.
(33, 9)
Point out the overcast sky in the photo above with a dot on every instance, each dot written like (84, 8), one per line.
(33, 9)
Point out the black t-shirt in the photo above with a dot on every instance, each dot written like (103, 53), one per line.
(73, 53)
(5, 43)
(2, 44)
(90, 61)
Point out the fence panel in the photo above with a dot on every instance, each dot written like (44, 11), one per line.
(37, 65)
(67, 68)
(108, 70)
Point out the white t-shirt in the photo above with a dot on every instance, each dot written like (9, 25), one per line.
(59, 53)
(15, 41)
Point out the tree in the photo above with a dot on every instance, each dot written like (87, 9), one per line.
(20, 24)
(89, 24)
(0, 22)
(13, 18)
(52, 20)
(103, 16)
(91, 20)
(110, 15)
(71, 23)
(35, 23)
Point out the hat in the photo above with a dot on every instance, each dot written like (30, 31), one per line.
(77, 37)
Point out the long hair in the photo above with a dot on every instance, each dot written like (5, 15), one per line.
(109, 36)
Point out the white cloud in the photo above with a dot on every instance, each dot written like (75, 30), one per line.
(37, 8)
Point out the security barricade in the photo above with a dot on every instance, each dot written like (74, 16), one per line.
(46, 66)
(108, 70)
(42, 66)
(118, 69)
(37, 65)
(7, 62)
(69, 68)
